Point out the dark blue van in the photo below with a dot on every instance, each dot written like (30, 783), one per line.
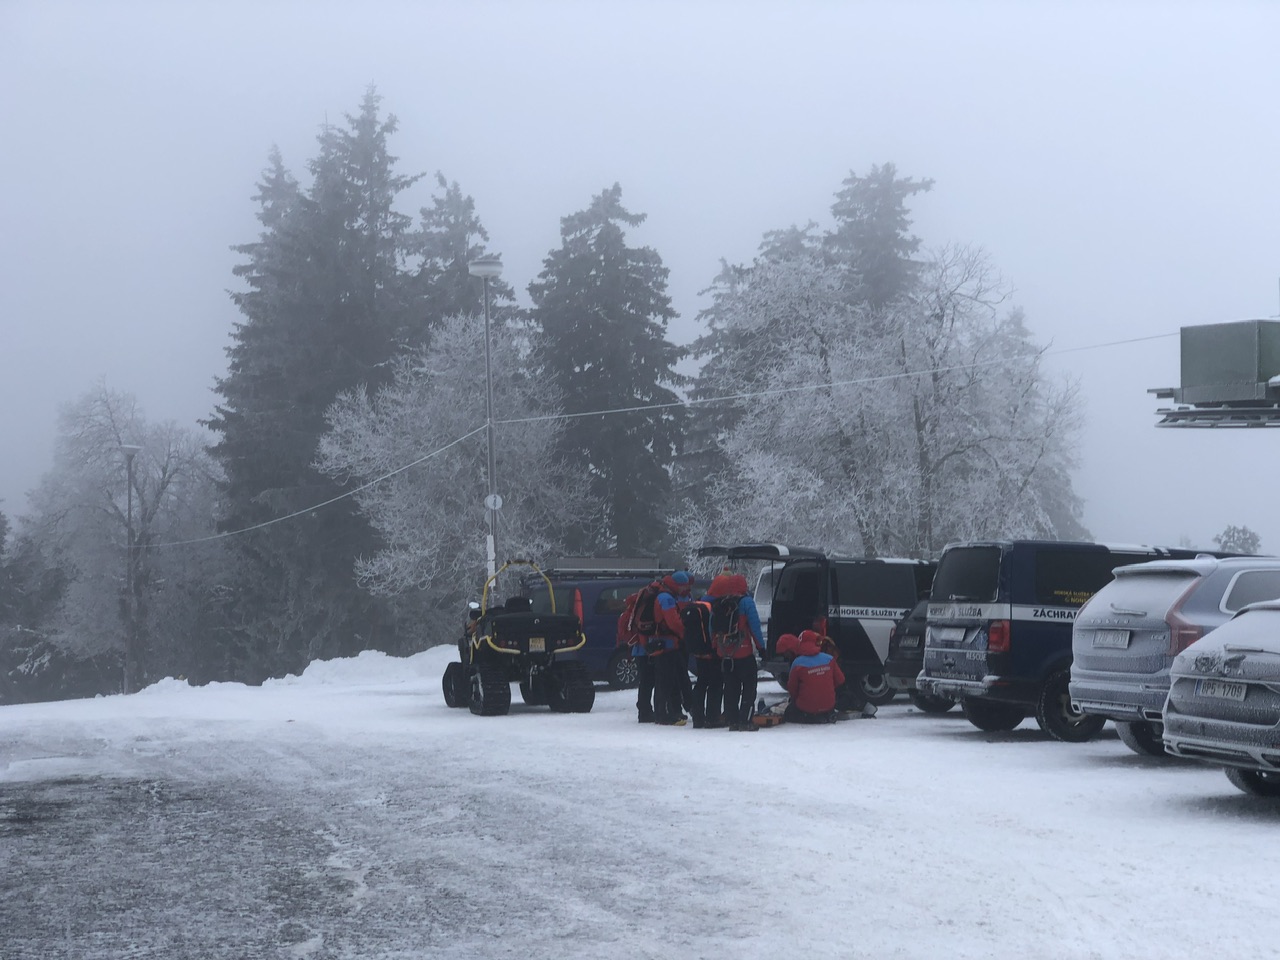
(999, 628)
(595, 590)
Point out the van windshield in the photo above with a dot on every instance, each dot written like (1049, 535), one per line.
(967, 573)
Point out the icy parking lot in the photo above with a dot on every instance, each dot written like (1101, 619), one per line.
(348, 813)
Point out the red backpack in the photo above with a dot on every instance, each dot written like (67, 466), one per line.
(638, 620)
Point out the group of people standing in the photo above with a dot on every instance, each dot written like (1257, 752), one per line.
(722, 692)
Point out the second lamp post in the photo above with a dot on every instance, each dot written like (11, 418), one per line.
(489, 268)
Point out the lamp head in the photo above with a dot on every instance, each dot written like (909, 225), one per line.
(489, 267)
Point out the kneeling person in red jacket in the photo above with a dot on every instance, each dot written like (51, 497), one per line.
(812, 680)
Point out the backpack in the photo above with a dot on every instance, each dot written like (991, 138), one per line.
(696, 618)
(639, 614)
(626, 636)
(724, 624)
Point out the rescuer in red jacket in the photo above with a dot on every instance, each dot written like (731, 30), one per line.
(737, 649)
(672, 689)
(811, 681)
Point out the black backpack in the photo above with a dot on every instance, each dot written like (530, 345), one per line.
(724, 624)
(696, 618)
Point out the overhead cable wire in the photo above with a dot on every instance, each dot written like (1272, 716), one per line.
(809, 387)
(317, 506)
(749, 395)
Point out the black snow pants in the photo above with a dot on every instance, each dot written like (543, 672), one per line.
(644, 690)
(708, 691)
(739, 689)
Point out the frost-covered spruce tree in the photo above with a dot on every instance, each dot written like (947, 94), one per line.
(871, 244)
(449, 236)
(328, 303)
(430, 517)
(599, 327)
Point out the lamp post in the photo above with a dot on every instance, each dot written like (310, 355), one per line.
(489, 268)
(130, 450)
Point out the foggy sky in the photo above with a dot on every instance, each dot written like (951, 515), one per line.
(1117, 160)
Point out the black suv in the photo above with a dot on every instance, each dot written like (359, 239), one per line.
(853, 600)
(906, 657)
(595, 589)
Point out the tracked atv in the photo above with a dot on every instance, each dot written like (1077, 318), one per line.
(509, 644)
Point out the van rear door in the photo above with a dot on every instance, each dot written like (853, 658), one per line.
(799, 598)
(962, 608)
(870, 597)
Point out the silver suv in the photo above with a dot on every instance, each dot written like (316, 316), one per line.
(1224, 700)
(1126, 637)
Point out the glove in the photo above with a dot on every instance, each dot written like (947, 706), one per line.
(654, 645)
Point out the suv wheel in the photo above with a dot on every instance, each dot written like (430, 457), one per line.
(1143, 738)
(454, 682)
(931, 702)
(1056, 716)
(622, 671)
(490, 692)
(992, 715)
(1260, 783)
(876, 689)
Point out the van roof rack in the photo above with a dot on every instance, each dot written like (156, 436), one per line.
(602, 566)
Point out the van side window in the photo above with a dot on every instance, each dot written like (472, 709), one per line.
(1067, 578)
(875, 585)
(1250, 587)
(802, 587)
(613, 600)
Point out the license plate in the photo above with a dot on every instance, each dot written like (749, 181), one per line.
(1221, 689)
(537, 644)
(909, 642)
(947, 634)
(1111, 639)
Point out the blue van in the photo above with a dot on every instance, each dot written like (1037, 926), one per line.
(999, 628)
(595, 589)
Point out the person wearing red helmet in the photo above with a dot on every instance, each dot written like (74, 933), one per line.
(737, 647)
(811, 681)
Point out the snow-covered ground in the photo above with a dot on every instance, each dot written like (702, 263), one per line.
(348, 813)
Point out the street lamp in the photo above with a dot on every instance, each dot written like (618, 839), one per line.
(130, 450)
(489, 268)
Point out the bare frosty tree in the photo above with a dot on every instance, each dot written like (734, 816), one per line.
(1238, 540)
(80, 520)
(934, 422)
(431, 516)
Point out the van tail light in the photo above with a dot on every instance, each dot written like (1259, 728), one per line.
(577, 604)
(998, 636)
(1182, 632)
(820, 627)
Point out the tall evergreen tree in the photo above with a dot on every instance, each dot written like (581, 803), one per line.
(328, 305)
(871, 240)
(449, 237)
(600, 320)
